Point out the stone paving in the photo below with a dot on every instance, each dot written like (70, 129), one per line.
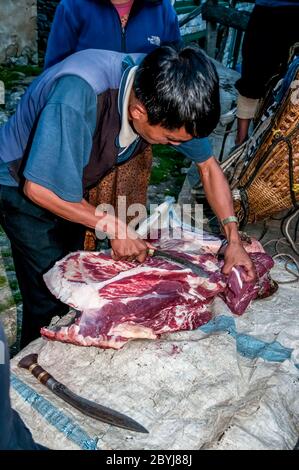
(10, 297)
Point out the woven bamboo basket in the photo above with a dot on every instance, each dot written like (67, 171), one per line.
(270, 182)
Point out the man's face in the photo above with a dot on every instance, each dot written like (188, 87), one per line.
(159, 135)
(155, 134)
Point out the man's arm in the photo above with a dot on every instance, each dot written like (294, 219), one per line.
(60, 150)
(125, 242)
(220, 199)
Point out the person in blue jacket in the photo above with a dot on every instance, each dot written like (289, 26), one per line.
(272, 30)
(121, 26)
(100, 24)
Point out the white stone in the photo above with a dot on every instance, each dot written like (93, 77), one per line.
(18, 32)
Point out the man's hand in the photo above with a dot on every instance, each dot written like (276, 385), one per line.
(235, 255)
(130, 249)
(125, 242)
(220, 199)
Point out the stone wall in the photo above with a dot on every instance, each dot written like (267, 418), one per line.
(45, 14)
(18, 33)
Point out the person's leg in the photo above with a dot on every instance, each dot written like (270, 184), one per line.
(38, 239)
(246, 109)
(13, 433)
(265, 54)
(260, 62)
(249, 85)
(263, 51)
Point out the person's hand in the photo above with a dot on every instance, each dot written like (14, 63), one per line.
(130, 249)
(235, 255)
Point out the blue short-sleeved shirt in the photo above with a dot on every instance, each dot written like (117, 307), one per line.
(63, 139)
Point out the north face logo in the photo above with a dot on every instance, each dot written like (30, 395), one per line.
(155, 40)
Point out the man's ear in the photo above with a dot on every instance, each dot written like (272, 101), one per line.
(138, 112)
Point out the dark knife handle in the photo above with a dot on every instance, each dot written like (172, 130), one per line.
(87, 407)
(30, 363)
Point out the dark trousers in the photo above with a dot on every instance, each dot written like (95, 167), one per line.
(38, 239)
(13, 433)
(270, 33)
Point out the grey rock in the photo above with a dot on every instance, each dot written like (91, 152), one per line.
(3, 117)
(34, 58)
(27, 80)
(22, 60)
(13, 100)
(9, 321)
(21, 75)
(46, 10)
(42, 17)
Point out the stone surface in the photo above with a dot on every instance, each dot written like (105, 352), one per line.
(9, 322)
(18, 34)
(45, 14)
(9, 291)
(3, 117)
(10, 298)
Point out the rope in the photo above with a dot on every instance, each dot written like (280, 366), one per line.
(288, 241)
(290, 271)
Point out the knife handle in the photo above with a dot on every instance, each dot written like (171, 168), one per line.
(30, 363)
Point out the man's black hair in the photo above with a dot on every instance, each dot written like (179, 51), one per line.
(179, 88)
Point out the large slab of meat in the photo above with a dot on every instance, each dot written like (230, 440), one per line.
(120, 301)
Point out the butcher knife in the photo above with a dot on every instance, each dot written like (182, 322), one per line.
(87, 407)
(185, 263)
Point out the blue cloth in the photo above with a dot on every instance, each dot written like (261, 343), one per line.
(5, 177)
(66, 121)
(55, 416)
(197, 150)
(84, 24)
(277, 3)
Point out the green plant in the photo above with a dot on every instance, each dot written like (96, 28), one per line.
(167, 163)
(3, 281)
(10, 74)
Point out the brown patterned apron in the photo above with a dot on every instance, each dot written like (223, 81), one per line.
(130, 179)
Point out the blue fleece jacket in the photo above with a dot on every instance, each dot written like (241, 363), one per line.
(85, 24)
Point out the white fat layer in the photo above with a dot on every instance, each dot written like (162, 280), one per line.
(131, 330)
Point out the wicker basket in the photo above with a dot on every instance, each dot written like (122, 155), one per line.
(270, 182)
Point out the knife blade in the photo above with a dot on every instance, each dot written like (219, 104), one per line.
(87, 407)
(180, 261)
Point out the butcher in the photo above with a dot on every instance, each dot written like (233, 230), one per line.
(78, 120)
